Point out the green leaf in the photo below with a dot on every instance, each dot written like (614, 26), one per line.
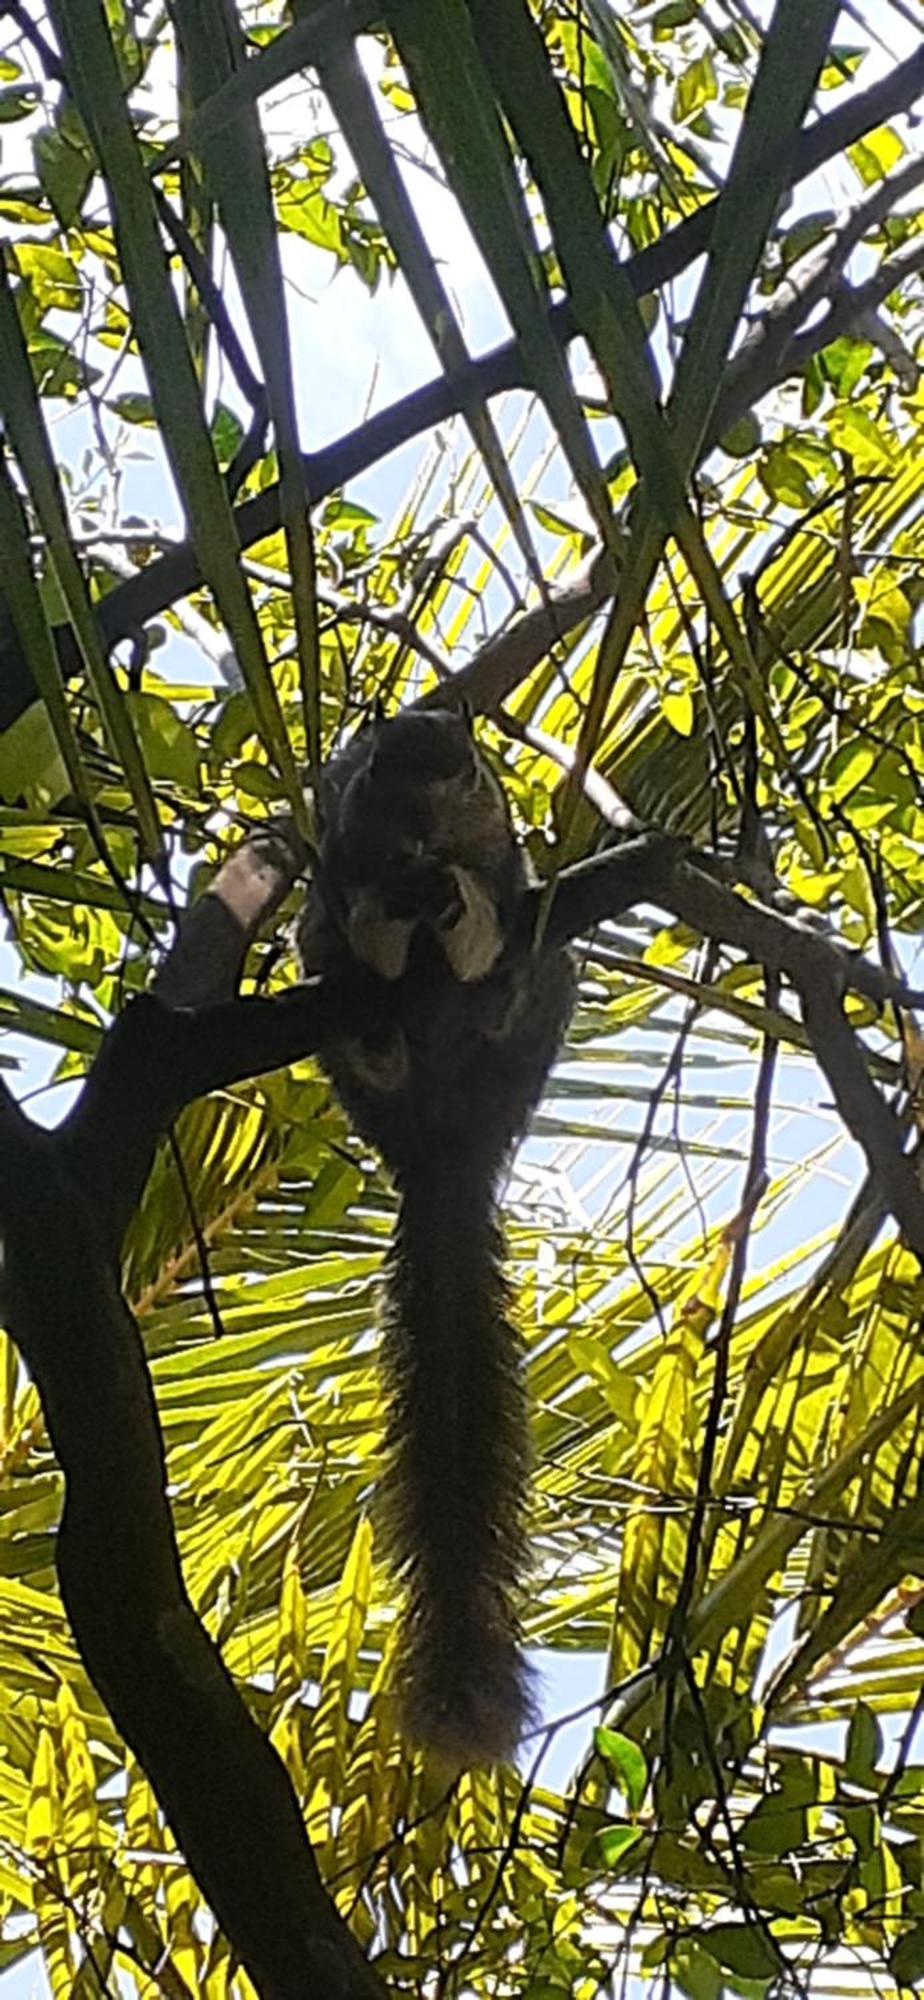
(696, 1974)
(849, 766)
(31, 764)
(696, 86)
(64, 164)
(134, 407)
(844, 363)
(742, 438)
(256, 781)
(785, 477)
(305, 211)
(15, 104)
(775, 1827)
(169, 745)
(626, 1764)
(852, 430)
(227, 433)
(346, 516)
(864, 1746)
(679, 710)
(614, 1842)
(741, 1948)
(906, 1959)
(51, 275)
(876, 154)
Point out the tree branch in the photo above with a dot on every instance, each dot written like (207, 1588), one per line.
(502, 663)
(819, 968)
(205, 962)
(156, 1059)
(776, 349)
(670, 873)
(190, 1035)
(223, 1789)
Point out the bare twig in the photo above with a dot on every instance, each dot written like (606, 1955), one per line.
(249, 384)
(768, 347)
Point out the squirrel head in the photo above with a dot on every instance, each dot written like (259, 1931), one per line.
(415, 823)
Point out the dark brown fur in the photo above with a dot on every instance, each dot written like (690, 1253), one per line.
(418, 883)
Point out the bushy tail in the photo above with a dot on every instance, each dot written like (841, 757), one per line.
(455, 1489)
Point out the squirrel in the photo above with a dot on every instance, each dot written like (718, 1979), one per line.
(412, 907)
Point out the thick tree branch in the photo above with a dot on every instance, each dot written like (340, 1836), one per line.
(817, 276)
(156, 1059)
(819, 969)
(866, 1114)
(181, 1041)
(849, 303)
(222, 1787)
(508, 659)
(671, 874)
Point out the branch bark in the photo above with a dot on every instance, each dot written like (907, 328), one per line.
(155, 1059)
(818, 967)
(223, 1789)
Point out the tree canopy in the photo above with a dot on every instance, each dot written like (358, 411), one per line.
(665, 538)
